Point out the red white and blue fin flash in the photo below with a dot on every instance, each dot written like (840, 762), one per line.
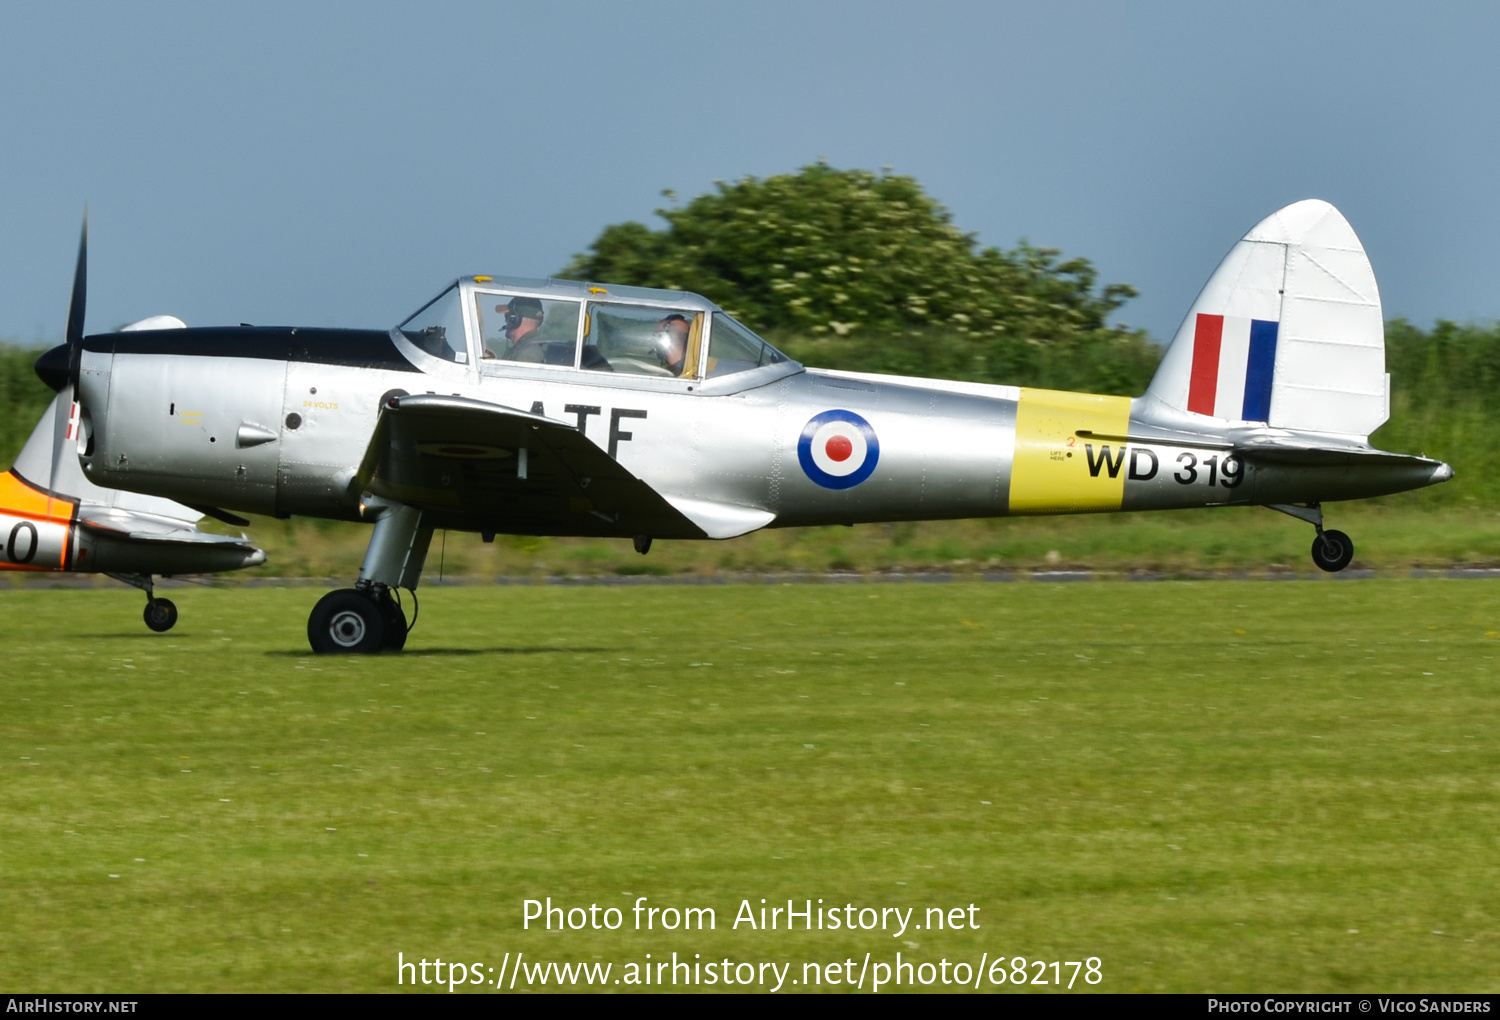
(1234, 364)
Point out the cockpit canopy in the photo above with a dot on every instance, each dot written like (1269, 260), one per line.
(634, 331)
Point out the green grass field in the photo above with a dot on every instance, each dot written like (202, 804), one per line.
(1269, 786)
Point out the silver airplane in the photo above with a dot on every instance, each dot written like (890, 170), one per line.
(550, 407)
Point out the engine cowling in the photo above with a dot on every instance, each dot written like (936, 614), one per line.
(159, 416)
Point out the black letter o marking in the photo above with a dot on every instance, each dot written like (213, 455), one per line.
(10, 548)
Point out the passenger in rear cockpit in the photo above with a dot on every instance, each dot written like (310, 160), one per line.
(670, 342)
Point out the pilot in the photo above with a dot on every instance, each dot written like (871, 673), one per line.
(523, 318)
(671, 341)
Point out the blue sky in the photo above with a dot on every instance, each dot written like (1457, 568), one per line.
(335, 164)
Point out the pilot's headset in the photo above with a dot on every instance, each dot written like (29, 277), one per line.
(520, 308)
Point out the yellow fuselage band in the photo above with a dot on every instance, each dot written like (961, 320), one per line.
(1050, 473)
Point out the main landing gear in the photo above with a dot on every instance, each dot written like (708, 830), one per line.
(369, 617)
(160, 614)
(1331, 550)
(360, 621)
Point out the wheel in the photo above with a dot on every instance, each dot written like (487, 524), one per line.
(1332, 551)
(346, 622)
(160, 615)
(395, 623)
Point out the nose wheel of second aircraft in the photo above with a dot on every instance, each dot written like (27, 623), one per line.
(160, 614)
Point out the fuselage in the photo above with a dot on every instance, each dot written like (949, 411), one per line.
(278, 420)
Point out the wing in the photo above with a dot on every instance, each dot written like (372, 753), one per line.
(477, 466)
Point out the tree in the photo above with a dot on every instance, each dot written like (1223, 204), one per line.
(23, 398)
(824, 254)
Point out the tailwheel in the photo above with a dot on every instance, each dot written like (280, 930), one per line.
(395, 623)
(1332, 550)
(347, 622)
(160, 614)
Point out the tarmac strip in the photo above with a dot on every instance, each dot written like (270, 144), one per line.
(45, 581)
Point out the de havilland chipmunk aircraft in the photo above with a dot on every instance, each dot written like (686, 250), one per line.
(549, 407)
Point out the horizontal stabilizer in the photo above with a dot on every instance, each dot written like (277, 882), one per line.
(1284, 473)
(1317, 457)
(121, 529)
(117, 542)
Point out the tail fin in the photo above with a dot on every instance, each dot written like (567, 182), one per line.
(1288, 331)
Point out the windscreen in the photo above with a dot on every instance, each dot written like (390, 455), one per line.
(438, 328)
(733, 348)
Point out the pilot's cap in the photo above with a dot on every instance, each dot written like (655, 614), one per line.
(522, 308)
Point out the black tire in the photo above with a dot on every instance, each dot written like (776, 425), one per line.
(160, 615)
(346, 622)
(1332, 551)
(395, 623)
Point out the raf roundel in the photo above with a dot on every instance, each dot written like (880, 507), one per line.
(838, 449)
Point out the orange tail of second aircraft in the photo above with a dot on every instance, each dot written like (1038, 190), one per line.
(37, 531)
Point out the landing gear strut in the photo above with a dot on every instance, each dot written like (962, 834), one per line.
(396, 625)
(1331, 550)
(369, 617)
(160, 614)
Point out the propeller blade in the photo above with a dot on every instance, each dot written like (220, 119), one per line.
(74, 336)
(80, 286)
